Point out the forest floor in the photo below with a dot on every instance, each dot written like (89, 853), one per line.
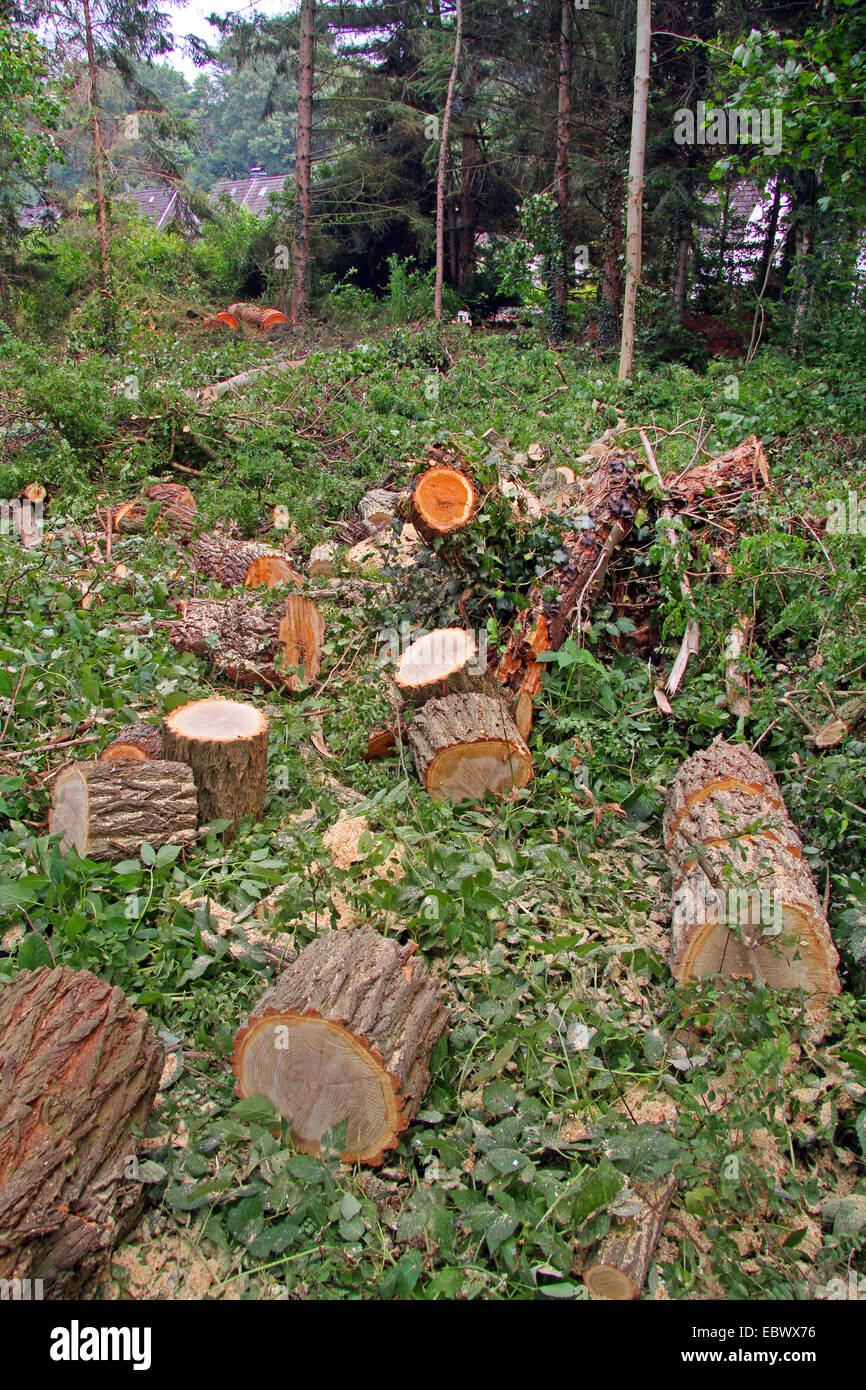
(574, 1068)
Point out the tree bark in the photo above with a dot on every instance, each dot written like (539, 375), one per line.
(225, 744)
(228, 560)
(78, 1073)
(440, 176)
(466, 745)
(684, 243)
(470, 161)
(345, 1034)
(744, 902)
(108, 810)
(626, 1253)
(253, 641)
(563, 141)
(303, 165)
(108, 314)
(635, 185)
(139, 742)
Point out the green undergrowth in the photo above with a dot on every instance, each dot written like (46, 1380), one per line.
(573, 1069)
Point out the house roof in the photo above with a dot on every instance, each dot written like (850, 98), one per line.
(252, 191)
(158, 202)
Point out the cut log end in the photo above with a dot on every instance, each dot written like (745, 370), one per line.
(269, 571)
(216, 721)
(302, 633)
(443, 501)
(318, 1074)
(603, 1281)
(225, 743)
(439, 663)
(467, 745)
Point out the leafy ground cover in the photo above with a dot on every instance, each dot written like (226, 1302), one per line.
(573, 1069)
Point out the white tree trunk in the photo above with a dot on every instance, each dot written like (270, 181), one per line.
(635, 184)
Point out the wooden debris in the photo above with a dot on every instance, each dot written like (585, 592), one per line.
(174, 506)
(466, 745)
(108, 810)
(626, 1253)
(610, 503)
(252, 642)
(345, 1034)
(79, 1070)
(442, 662)
(323, 561)
(138, 741)
(225, 744)
(232, 561)
(302, 633)
(744, 902)
(736, 681)
(443, 502)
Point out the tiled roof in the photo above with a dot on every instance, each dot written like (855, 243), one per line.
(252, 192)
(158, 202)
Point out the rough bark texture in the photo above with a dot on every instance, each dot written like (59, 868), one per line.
(379, 506)
(466, 745)
(443, 501)
(138, 741)
(225, 744)
(346, 1033)
(303, 162)
(225, 558)
(719, 481)
(744, 903)
(626, 1253)
(563, 135)
(609, 504)
(245, 638)
(78, 1073)
(108, 810)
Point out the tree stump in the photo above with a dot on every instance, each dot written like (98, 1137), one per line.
(626, 1253)
(744, 903)
(442, 662)
(78, 1073)
(225, 744)
(108, 810)
(466, 745)
(139, 742)
(443, 502)
(346, 1033)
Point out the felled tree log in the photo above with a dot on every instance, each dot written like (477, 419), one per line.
(225, 744)
(257, 316)
(379, 506)
(79, 1070)
(744, 902)
(231, 561)
(719, 481)
(443, 662)
(443, 502)
(301, 633)
(139, 742)
(625, 1255)
(170, 506)
(610, 502)
(322, 561)
(269, 572)
(249, 641)
(345, 1034)
(108, 810)
(466, 745)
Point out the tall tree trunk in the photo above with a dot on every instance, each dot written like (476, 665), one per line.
(683, 247)
(469, 162)
(635, 184)
(563, 138)
(453, 244)
(769, 240)
(303, 164)
(440, 177)
(99, 178)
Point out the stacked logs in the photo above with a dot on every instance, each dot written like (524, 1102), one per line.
(744, 903)
(157, 786)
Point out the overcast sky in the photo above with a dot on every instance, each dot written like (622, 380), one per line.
(192, 19)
